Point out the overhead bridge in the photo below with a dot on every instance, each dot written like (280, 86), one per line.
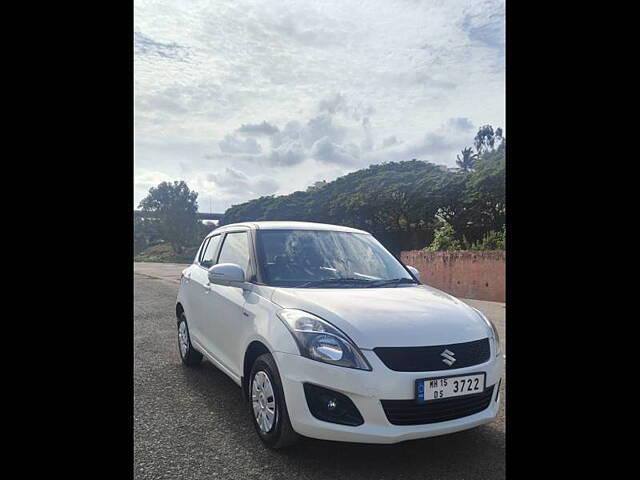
(201, 216)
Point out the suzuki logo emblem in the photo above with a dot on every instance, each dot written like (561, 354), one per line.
(448, 357)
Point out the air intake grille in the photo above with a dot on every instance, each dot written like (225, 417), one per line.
(409, 412)
(427, 359)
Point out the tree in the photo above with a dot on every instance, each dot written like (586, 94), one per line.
(444, 240)
(392, 208)
(492, 240)
(145, 233)
(485, 194)
(175, 208)
(467, 160)
(485, 140)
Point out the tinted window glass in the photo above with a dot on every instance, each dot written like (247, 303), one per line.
(344, 259)
(235, 249)
(208, 259)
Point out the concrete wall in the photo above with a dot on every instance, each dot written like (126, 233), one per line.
(478, 275)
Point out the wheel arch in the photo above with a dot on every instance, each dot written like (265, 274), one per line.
(179, 311)
(253, 351)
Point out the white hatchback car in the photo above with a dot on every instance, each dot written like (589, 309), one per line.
(331, 337)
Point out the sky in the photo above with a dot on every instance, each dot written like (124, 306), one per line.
(248, 98)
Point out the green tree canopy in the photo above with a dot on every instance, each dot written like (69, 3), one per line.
(486, 139)
(175, 209)
(467, 160)
(444, 240)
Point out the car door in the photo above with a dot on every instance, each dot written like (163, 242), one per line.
(191, 291)
(198, 284)
(225, 324)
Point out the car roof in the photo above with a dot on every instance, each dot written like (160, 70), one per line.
(284, 225)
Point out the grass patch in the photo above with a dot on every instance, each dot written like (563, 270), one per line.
(163, 253)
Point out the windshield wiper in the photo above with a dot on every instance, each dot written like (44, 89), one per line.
(393, 281)
(335, 281)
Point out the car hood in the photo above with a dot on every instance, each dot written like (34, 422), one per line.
(390, 317)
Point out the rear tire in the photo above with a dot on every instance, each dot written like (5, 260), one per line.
(264, 382)
(188, 354)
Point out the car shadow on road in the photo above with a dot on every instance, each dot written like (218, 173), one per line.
(475, 453)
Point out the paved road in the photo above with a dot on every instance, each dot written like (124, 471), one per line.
(193, 423)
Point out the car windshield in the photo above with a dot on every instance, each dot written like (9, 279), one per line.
(327, 259)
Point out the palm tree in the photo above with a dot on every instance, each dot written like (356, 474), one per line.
(468, 159)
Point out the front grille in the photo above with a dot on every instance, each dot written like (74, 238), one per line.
(409, 412)
(426, 359)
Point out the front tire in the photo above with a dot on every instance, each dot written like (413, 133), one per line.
(188, 354)
(267, 404)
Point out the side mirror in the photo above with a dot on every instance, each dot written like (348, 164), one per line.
(227, 274)
(415, 271)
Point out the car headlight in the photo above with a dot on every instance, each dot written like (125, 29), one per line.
(318, 340)
(494, 332)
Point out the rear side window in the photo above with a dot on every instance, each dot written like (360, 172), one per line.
(235, 249)
(208, 259)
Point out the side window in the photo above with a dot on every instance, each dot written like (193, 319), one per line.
(235, 249)
(201, 250)
(207, 260)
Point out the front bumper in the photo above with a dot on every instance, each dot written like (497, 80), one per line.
(366, 389)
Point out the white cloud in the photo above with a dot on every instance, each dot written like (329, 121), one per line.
(237, 183)
(263, 128)
(326, 151)
(233, 144)
(289, 151)
(389, 141)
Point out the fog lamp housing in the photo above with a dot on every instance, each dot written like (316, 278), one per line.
(330, 406)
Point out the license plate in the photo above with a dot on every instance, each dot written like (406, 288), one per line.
(429, 389)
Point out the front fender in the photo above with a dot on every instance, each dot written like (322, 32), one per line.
(266, 326)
